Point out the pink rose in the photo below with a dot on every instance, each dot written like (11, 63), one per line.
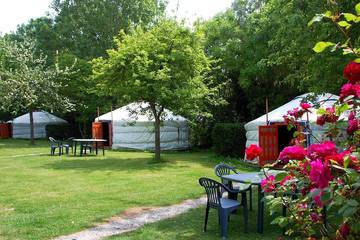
(305, 106)
(354, 125)
(320, 174)
(268, 184)
(292, 153)
(321, 150)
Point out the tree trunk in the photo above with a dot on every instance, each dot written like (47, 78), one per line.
(32, 140)
(157, 138)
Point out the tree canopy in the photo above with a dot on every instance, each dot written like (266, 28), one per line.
(27, 83)
(165, 66)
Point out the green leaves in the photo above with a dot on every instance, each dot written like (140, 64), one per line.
(321, 46)
(319, 18)
(280, 176)
(344, 24)
(350, 17)
(357, 9)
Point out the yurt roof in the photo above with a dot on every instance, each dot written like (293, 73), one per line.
(326, 100)
(39, 117)
(126, 113)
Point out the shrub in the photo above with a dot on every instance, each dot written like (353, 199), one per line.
(229, 139)
(57, 131)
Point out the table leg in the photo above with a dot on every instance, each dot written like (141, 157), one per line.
(82, 149)
(96, 148)
(75, 149)
(260, 217)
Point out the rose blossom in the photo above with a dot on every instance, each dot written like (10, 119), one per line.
(349, 89)
(329, 117)
(315, 217)
(305, 106)
(268, 184)
(344, 230)
(317, 198)
(285, 179)
(292, 153)
(253, 151)
(321, 150)
(352, 72)
(320, 174)
(354, 125)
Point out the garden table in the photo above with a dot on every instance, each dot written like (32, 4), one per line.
(85, 141)
(253, 178)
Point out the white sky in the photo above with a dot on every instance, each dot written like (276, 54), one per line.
(15, 12)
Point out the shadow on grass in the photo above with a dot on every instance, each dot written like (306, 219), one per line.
(114, 164)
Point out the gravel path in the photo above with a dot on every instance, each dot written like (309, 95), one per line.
(134, 219)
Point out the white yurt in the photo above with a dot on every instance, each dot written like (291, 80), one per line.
(276, 116)
(123, 129)
(21, 124)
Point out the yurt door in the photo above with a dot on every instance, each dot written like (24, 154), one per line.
(268, 141)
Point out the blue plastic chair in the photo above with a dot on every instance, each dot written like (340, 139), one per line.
(224, 206)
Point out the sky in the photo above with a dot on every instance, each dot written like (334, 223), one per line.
(16, 12)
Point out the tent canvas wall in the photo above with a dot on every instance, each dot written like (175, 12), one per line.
(21, 124)
(128, 131)
(276, 117)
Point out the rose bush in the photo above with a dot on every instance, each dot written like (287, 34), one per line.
(321, 186)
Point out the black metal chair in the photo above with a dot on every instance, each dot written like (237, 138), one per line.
(224, 206)
(226, 169)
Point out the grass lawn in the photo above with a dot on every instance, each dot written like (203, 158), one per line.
(47, 196)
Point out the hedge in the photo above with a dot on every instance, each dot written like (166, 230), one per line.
(229, 139)
(58, 131)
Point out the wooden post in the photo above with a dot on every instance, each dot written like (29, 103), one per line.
(267, 110)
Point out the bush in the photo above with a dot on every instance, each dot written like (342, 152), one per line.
(229, 139)
(57, 131)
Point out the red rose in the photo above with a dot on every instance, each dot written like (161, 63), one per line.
(305, 106)
(253, 151)
(352, 72)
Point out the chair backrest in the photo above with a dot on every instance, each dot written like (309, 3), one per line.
(224, 169)
(51, 139)
(213, 190)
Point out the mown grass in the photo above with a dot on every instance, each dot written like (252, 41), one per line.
(46, 196)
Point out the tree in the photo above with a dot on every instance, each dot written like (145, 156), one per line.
(27, 83)
(165, 67)
(87, 27)
(45, 38)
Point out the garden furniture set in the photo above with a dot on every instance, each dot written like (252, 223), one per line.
(85, 144)
(234, 183)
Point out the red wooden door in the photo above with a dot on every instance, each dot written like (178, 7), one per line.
(97, 132)
(268, 141)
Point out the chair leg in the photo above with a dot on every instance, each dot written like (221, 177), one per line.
(245, 212)
(206, 217)
(250, 202)
(59, 151)
(223, 223)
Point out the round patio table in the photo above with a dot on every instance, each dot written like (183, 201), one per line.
(253, 178)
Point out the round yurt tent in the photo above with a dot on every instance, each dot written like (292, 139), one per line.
(127, 130)
(21, 124)
(276, 116)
